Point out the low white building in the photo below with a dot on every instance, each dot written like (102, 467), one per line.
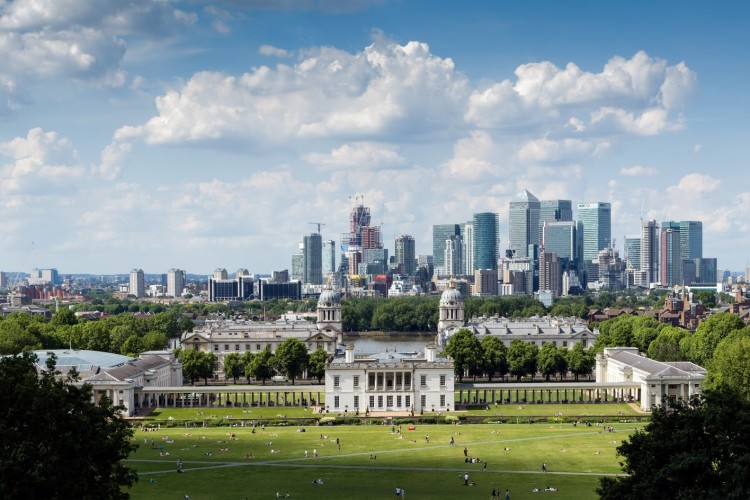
(657, 379)
(389, 382)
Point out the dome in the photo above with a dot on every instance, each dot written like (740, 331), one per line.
(451, 297)
(328, 298)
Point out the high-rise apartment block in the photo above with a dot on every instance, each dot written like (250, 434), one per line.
(329, 258)
(523, 223)
(452, 255)
(405, 248)
(633, 252)
(670, 264)
(485, 282)
(467, 235)
(175, 282)
(137, 285)
(485, 229)
(312, 252)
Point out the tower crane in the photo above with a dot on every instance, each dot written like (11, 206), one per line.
(319, 224)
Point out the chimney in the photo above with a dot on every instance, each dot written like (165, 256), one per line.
(429, 353)
(350, 353)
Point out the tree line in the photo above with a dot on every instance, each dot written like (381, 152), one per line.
(291, 359)
(491, 357)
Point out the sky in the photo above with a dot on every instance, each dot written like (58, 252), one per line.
(193, 134)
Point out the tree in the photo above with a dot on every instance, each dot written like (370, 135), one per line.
(562, 361)
(56, 442)
(247, 360)
(522, 358)
(580, 362)
(14, 337)
(233, 366)
(494, 356)
(292, 358)
(464, 348)
(701, 346)
(549, 360)
(694, 449)
(666, 346)
(132, 346)
(64, 316)
(196, 364)
(262, 365)
(317, 366)
(731, 363)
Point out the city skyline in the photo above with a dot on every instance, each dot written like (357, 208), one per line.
(149, 135)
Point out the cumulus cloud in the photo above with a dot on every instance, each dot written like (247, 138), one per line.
(694, 184)
(638, 171)
(328, 93)
(546, 150)
(270, 50)
(359, 155)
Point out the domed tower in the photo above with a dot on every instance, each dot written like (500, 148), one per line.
(329, 313)
(451, 316)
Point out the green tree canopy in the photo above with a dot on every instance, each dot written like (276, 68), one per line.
(317, 366)
(580, 362)
(695, 449)
(522, 358)
(234, 367)
(666, 346)
(56, 442)
(701, 346)
(550, 360)
(291, 358)
(731, 363)
(463, 346)
(494, 356)
(261, 365)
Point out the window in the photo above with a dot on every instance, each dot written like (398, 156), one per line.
(371, 380)
(442, 400)
(423, 401)
(398, 401)
(226, 347)
(423, 380)
(372, 401)
(380, 401)
(216, 347)
(257, 347)
(356, 401)
(407, 380)
(335, 401)
(389, 401)
(236, 347)
(399, 377)
(380, 380)
(565, 343)
(407, 401)
(247, 347)
(336, 381)
(356, 382)
(442, 380)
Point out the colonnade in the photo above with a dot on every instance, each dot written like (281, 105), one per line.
(196, 397)
(533, 393)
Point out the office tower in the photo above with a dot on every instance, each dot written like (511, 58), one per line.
(467, 233)
(452, 255)
(175, 282)
(329, 258)
(298, 265)
(50, 276)
(485, 282)
(649, 252)
(523, 223)
(670, 263)
(3, 280)
(633, 252)
(485, 228)
(137, 283)
(361, 236)
(550, 273)
(220, 273)
(691, 239)
(553, 211)
(561, 238)
(440, 234)
(241, 272)
(406, 253)
(612, 271)
(688, 271)
(706, 271)
(225, 289)
(597, 228)
(312, 260)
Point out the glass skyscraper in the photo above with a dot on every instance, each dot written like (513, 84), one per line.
(440, 234)
(597, 228)
(329, 258)
(406, 253)
(560, 239)
(312, 251)
(523, 223)
(553, 210)
(691, 239)
(633, 252)
(485, 226)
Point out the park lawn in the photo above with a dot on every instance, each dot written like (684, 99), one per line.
(351, 473)
(572, 409)
(216, 412)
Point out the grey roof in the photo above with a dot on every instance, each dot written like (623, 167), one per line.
(653, 367)
(82, 359)
(131, 369)
(525, 195)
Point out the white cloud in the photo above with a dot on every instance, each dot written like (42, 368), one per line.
(694, 185)
(112, 158)
(270, 50)
(638, 171)
(546, 150)
(359, 155)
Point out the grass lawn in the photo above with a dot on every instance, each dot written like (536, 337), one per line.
(216, 468)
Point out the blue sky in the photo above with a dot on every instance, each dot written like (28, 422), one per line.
(199, 134)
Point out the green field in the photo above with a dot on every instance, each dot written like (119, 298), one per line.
(215, 466)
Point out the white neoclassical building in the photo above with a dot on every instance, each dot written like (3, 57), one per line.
(561, 332)
(226, 336)
(657, 379)
(389, 382)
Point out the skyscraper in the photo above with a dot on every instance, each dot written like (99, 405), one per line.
(137, 283)
(312, 251)
(467, 233)
(553, 211)
(361, 236)
(649, 262)
(329, 258)
(597, 228)
(406, 253)
(670, 263)
(440, 234)
(633, 252)
(560, 238)
(175, 282)
(485, 228)
(298, 265)
(691, 239)
(523, 223)
(452, 255)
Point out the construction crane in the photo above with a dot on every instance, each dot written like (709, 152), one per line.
(317, 224)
